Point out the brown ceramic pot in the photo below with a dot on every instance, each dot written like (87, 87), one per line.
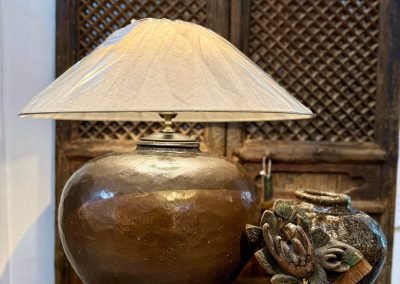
(157, 215)
(334, 214)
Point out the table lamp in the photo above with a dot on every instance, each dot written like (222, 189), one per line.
(165, 213)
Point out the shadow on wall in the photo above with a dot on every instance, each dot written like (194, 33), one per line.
(33, 250)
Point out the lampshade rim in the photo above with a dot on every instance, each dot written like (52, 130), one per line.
(80, 115)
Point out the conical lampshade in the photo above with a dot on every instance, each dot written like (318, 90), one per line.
(153, 66)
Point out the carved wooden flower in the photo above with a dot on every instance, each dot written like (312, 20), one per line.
(335, 256)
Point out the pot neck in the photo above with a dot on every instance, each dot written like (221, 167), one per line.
(326, 202)
(165, 140)
(169, 148)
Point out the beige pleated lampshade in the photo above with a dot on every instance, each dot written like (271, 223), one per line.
(153, 66)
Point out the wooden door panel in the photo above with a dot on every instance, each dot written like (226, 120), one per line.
(361, 184)
(331, 55)
(81, 26)
(340, 58)
(91, 22)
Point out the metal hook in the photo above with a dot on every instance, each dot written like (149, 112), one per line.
(265, 171)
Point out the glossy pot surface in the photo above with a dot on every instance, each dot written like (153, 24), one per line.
(157, 215)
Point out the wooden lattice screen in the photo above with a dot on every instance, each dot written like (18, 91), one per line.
(97, 20)
(326, 53)
(339, 57)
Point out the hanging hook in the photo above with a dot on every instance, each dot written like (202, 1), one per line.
(266, 171)
(266, 176)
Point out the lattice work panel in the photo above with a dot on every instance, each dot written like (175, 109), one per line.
(126, 130)
(97, 20)
(325, 53)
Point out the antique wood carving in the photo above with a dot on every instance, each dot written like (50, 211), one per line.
(340, 58)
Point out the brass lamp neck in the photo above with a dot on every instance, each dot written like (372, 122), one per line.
(168, 137)
(168, 116)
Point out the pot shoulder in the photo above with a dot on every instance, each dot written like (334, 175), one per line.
(188, 169)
